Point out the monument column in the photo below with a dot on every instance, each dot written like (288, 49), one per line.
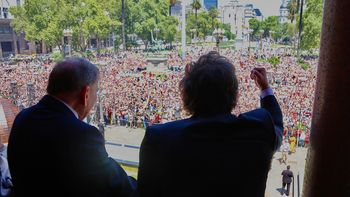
(328, 165)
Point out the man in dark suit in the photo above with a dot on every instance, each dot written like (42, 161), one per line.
(52, 152)
(287, 176)
(212, 153)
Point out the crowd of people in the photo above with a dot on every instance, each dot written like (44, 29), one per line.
(133, 95)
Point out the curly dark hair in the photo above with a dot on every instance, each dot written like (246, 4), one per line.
(209, 86)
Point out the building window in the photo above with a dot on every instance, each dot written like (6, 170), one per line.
(5, 30)
(18, 2)
(6, 12)
(0, 12)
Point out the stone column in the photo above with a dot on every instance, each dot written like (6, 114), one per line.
(14, 43)
(328, 166)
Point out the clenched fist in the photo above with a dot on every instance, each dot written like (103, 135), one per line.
(259, 76)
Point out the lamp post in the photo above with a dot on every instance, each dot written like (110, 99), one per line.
(68, 33)
(249, 31)
(261, 41)
(193, 33)
(219, 34)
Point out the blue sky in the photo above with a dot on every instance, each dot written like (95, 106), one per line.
(268, 7)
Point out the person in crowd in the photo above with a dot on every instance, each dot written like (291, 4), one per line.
(101, 128)
(5, 176)
(287, 176)
(284, 150)
(302, 139)
(292, 142)
(213, 152)
(52, 152)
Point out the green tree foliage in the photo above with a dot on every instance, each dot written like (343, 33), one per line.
(168, 29)
(292, 10)
(256, 26)
(229, 35)
(45, 20)
(312, 24)
(41, 20)
(202, 24)
(213, 13)
(271, 23)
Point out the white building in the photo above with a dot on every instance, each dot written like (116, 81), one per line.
(283, 18)
(238, 16)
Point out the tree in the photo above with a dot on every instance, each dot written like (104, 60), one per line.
(270, 24)
(312, 24)
(45, 20)
(168, 29)
(202, 23)
(256, 26)
(41, 21)
(292, 10)
(213, 13)
(229, 35)
(196, 5)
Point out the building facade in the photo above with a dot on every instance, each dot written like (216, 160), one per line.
(237, 15)
(11, 42)
(284, 12)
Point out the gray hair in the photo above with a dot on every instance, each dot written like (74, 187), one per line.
(71, 75)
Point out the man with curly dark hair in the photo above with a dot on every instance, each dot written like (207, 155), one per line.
(214, 152)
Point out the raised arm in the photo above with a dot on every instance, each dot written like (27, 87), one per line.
(269, 102)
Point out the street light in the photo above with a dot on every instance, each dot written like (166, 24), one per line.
(193, 33)
(261, 31)
(68, 33)
(219, 34)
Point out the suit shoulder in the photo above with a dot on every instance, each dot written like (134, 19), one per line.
(167, 130)
(259, 114)
(174, 125)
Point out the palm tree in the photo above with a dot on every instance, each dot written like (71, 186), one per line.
(196, 5)
(292, 10)
(172, 3)
(213, 13)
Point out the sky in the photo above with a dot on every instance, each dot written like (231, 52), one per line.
(267, 7)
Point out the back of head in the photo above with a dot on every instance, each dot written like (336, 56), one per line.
(209, 86)
(71, 75)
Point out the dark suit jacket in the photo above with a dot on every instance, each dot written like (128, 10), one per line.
(222, 155)
(287, 176)
(52, 153)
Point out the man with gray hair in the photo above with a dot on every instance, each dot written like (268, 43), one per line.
(52, 152)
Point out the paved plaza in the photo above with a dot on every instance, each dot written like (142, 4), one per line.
(123, 145)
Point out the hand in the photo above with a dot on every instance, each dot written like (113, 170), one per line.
(259, 76)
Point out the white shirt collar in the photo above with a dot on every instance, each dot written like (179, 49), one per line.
(69, 107)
